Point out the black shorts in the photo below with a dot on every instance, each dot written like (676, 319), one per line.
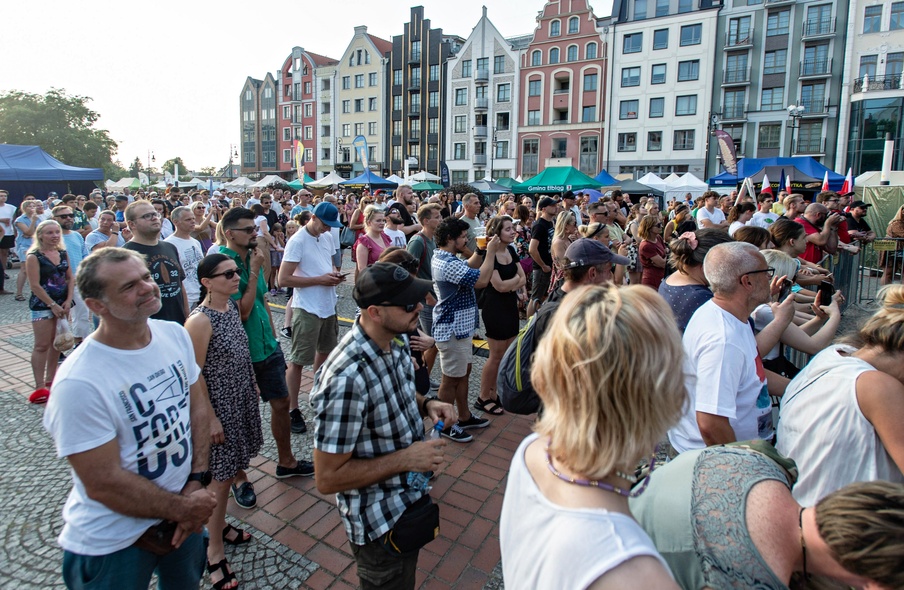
(7, 242)
(271, 376)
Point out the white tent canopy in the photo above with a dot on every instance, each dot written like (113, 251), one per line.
(327, 181)
(239, 183)
(677, 188)
(124, 183)
(653, 181)
(895, 178)
(423, 176)
(396, 179)
(268, 180)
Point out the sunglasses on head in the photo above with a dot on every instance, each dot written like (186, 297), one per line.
(229, 274)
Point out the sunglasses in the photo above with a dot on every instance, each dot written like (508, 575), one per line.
(248, 230)
(229, 274)
(65, 216)
(408, 307)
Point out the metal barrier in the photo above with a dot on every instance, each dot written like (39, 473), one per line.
(845, 269)
(880, 263)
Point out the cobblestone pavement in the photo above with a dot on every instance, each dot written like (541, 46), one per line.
(299, 541)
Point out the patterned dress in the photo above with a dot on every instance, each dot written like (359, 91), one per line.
(230, 383)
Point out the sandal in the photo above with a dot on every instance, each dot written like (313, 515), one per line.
(241, 537)
(490, 406)
(20, 297)
(228, 576)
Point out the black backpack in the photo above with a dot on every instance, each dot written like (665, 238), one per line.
(513, 385)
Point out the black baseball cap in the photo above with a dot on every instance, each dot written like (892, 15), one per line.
(860, 204)
(387, 283)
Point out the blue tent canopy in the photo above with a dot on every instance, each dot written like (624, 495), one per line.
(750, 166)
(29, 169)
(369, 178)
(606, 179)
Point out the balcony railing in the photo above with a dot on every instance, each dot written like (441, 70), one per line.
(810, 146)
(736, 76)
(480, 159)
(414, 57)
(480, 131)
(482, 74)
(818, 28)
(735, 39)
(892, 82)
(481, 102)
(414, 136)
(733, 112)
(816, 67)
(414, 111)
(814, 108)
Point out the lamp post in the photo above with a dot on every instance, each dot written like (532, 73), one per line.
(492, 153)
(151, 159)
(710, 131)
(794, 114)
(233, 153)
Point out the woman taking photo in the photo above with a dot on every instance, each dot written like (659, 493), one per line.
(221, 350)
(373, 241)
(26, 224)
(50, 278)
(500, 310)
(569, 482)
(651, 251)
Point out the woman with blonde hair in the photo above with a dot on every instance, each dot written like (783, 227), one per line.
(569, 482)
(857, 387)
(564, 233)
(51, 282)
(373, 241)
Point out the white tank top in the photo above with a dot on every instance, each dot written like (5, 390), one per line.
(545, 545)
(822, 428)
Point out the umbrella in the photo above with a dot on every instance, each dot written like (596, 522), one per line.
(507, 182)
(594, 195)
(427, 186)
(368, 178)
(556, 179)
(423, 176)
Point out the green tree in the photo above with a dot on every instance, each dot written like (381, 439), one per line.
(62, 125)
(115, 170)
(170, 166)
(209, 171)
(135, 168)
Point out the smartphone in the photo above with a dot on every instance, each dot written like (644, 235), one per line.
(786, 290)
(826, 290)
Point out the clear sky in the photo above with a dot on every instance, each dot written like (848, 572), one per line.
(166, 76)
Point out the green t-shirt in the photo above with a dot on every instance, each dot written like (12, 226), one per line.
(262, 341)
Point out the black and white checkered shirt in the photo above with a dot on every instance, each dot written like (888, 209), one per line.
(364, 403)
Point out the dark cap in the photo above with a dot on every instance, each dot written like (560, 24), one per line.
(859, 204)
(328, 214)
(121, 198)
(387, 283)
(546, 202)
(568, 195)
(587, 252)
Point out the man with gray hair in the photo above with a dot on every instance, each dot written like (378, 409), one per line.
(724, 376)
(190, 252)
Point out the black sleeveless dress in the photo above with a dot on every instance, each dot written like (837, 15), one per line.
(500, 310)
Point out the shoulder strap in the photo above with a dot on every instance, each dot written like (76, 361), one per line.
(420, 262)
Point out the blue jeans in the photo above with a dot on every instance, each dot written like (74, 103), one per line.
(131, 568)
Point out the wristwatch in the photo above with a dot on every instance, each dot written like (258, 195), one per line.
(427, 400)
(204, 477)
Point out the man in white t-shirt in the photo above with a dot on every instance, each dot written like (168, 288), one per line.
(394, 225)
(7, 215)
(190, 252)
(307, 267)
(709, 216)
(136, 435)
(764, 217)
(725, 378)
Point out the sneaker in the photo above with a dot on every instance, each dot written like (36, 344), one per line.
(303, 469)
(244, 495)
(298, 425)
(286, 332)
(434, 385)
(272, 292)
(473, 422)
(454, 433)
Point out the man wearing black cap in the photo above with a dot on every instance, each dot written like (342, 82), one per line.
(858, 228)
(369, 432)
(540, 250)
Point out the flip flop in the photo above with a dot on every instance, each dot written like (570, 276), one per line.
(40, 396)
(490, 406)
(240, 537)
(20, 297)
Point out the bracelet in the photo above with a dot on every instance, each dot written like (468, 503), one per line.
(427, 400)
(481, 251)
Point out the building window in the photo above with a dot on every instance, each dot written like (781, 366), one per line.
(628, 109)
(308, 132)
(287, 156)
(502, 149)
(433, 125)
(372, 128)
(461, 124)
(688, 70)
(359, 129)
(359, 80)
(483, 63)
(590, 82)
(415, 50)
(433, 99)
(590, 51)
(733, 104)
(654, 141)
(346, 130)
(657, 74)
(533, 117)
(773, 99)
(686, 105)
(499, 64)
(810, 137)
(661, 39)
(372, 104)
(777, 23)
(640, 9)
(632, 43)
(657, 107)
(461, 97)
(813, 96)
(536, 58)
(502, 121)
(397, 102)
(415, 104)
(287, 134)
(554, 55)
(688, 5)
(309, 110)
(662, 7)
(432, 151)
(574, 25)
(533, 87)
(774, 61)
(359, 105)
(897, 16)
(589, 163)
(414, 79)
(530, 157)
(868, 65)
(769, 137)
(414, 130)
(559, 147)
(480, 92)
(627, 142)
(434, 73)
(691, 35)
(572, 53)
(372, 79)
(630, 77)
(466, 68)
(588, 114)
(503, 93)
(872, 19)
(894, 64)
(397, 77)
(397, 128)
(325, 108)
(555, 28)
(286, 112)
(459, 176)
(346, 82)
(683, 139)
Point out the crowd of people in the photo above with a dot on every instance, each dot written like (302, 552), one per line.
(666, 329)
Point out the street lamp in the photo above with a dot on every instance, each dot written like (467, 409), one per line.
(151, 159)
(710, 132)
(492, 152)
(233, 153)
(794, 115)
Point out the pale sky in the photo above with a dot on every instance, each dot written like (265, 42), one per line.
(166, 76)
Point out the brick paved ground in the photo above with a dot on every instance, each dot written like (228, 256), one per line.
(299, 541)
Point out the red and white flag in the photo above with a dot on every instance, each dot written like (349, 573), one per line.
(787, 186)
(848, 185)
(767, 186)
(825, 182)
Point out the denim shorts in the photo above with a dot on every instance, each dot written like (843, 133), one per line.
(41, 314)
(271, 376)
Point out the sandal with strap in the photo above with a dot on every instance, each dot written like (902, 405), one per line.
(490, 406)
(241, 537)
(222, 567)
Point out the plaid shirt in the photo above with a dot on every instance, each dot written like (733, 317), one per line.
(364, 404)
(455, 314)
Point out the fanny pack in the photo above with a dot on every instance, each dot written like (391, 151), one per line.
(158, 539)
(418, 526)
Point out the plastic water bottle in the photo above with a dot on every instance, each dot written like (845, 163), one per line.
(421, 481)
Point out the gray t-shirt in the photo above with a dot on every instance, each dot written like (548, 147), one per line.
(472, 231)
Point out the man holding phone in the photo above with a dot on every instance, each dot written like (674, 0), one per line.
(822, 231)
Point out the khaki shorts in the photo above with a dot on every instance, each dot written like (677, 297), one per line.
(310, 335)
(455, 356)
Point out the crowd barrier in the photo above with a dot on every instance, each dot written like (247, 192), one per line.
(880, 262)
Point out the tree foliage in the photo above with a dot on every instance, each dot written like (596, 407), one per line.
(170, 166)
(135, 168)
(62, 125)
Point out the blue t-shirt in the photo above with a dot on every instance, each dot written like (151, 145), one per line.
(75, 247)
(684, 300)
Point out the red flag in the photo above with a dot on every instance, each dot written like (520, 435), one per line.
(825, 182)
(848, 185)
(767, 187)
(788, 183)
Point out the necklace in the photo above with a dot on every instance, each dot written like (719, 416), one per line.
(803, 544)
(594, 483)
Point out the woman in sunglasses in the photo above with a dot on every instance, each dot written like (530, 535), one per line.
(651, 251)
(221, 350)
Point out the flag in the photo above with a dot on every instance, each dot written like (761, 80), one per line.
(787, 182)
(848, 186)
(299, 159)
(727, 150)
(767, 187)
(782, 181)
(360, 145)
(825, 182)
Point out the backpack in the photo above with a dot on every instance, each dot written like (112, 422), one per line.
(513, 380)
